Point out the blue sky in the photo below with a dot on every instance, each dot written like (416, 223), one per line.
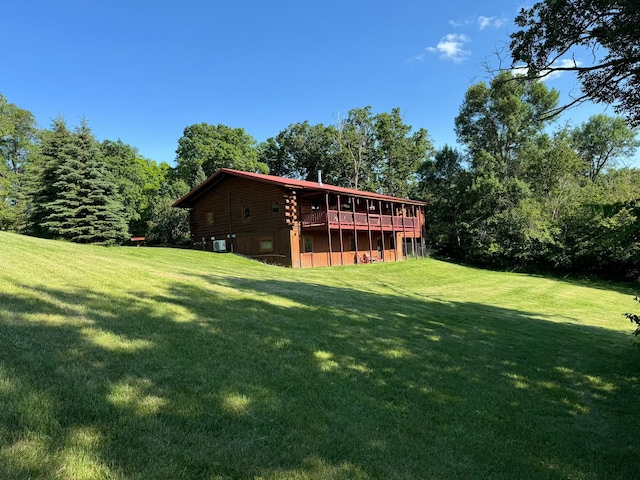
(142, 71)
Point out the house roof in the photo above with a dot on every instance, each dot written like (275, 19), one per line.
(187, 200)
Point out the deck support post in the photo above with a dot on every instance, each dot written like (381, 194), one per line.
(355, 227)
(404, 231)
(381, 229)
(413, 234)
(369, 231)
(340, 232)
(326, 202)
(393, 232)
(422, 238)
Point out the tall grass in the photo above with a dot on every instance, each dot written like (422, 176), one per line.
(136, 363)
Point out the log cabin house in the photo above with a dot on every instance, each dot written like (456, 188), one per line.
(301, 224)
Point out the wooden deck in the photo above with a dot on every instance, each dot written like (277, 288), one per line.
(360, 221)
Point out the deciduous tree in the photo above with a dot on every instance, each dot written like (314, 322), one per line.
(496, 123)
(205, 148)
(553, 33)
(168, 225)
(363, 151)
(301, 150)
(399, 153)
(17, 142)
(356, 148)
(444, 183)
(603, 142)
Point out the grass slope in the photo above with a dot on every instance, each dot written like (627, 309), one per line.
(136, 363)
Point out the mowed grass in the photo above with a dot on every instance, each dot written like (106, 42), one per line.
(148, 363)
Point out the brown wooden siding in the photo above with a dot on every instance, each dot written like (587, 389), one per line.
(240, 211)
(233, 199)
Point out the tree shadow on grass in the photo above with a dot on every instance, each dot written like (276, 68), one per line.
(281, 379)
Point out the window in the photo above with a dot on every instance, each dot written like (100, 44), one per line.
(246, 213)
(209, 218)
(275, 208)
(308, 244)
(266, 244)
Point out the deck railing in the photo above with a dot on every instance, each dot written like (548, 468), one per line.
(374, 221)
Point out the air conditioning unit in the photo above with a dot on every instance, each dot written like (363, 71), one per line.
(219, 245)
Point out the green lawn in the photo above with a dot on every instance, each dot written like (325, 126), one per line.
(148, 363)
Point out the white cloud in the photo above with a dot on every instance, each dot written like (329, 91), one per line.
(451, 47)
(564, 63)
(484, 22)
(417, 58)
(480, 21)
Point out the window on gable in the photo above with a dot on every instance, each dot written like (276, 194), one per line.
(275, 208)
(246, 212)
(209, 218)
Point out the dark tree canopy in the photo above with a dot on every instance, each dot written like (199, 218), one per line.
(17, 137)
(205, 148)
(551, 31)
(300, 150)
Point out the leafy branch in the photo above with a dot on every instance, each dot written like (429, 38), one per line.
(633, 318)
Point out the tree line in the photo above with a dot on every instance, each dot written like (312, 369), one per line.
(63, 183)
(523, 191)
(517, 194)
(525, 196)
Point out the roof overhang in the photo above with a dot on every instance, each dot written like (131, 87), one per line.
(188, 200)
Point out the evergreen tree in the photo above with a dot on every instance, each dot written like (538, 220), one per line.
(74, 196)
(100, 216)
(62, 209)
(46, 185)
